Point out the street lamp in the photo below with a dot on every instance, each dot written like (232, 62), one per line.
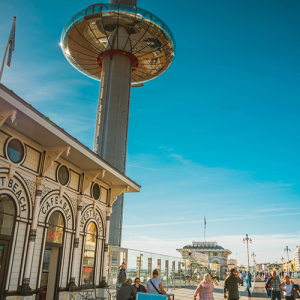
(247, 240)
(287, 250)
(253, 255)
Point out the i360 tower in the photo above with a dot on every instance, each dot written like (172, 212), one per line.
(122, 46)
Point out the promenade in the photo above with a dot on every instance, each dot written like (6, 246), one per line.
(258, 292)
(188, 292)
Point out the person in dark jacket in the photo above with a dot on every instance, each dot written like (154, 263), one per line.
(126, 291)
(138, 287)
(231, 285)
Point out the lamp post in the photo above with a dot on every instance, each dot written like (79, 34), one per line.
(236, 260)
(253, 255)
(287, 250)
(247, 240)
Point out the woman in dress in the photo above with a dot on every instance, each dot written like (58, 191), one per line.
(205, 289)
(287, 287)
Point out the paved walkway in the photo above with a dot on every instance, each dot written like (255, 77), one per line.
(188, 292)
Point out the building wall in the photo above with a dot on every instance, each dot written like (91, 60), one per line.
(19, 181)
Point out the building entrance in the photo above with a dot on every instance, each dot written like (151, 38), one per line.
(3, 260)
(52, 257)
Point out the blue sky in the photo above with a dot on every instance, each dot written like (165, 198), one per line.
(216, 135)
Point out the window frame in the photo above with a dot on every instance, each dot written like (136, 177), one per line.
(6, 151)
(95, 252)
(10, 237)
(57, 174)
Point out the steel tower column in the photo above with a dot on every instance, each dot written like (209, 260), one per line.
(113, 116)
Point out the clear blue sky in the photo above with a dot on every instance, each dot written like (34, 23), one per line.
(217, 134)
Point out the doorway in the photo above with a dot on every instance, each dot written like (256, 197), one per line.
(52, 257)
(50, 274)
(3, 260)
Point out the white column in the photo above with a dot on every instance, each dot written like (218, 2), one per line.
(108, 213)
(76, 240)
(40, 183)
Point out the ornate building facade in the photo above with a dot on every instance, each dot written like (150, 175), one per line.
(215, 253)
(55, 204)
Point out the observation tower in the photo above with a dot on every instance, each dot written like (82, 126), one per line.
(122, 46)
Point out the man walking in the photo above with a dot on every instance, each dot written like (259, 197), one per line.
(231, 285)
(275, 287)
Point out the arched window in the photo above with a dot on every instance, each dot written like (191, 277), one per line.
(55, 231)
(89, 254)
(7, 215)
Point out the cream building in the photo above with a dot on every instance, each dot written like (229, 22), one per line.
(232, 263)
(297, 258)
(215, 253)
(55, 205)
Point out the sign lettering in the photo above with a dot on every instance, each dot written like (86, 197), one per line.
(89, 214)
(54, 201)
(17, 189)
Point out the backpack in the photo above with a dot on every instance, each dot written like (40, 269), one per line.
(122, 276)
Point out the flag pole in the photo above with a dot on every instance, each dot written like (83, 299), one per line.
(204, 229)
(4, 58)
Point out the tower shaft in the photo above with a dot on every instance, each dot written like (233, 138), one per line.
(112, 117)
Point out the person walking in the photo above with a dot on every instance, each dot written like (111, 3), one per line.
(275, 286)
(249, 275)
(139, 288)
(154, 285)
(231, 289)
(205, 288)
(126, 291)
(248, 284)
(121, 277)
(287, 287)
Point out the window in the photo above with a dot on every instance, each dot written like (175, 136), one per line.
(55, 232)
(63, 175)
(96, 191)
(89, 254)
(7, 214)
(15, 151)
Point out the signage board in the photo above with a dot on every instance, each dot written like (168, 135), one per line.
(148, 296)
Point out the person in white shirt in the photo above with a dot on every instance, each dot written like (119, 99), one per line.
(154, 285)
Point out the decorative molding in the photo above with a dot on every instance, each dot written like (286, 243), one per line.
(79, 207)
(116, 191)
(45, 191)
(74, 206)
(107, 218)
(31, 185)
(12, 170)
(89, 177)
(32, 235)
(39, 192)
(106, 247)
(4, 114)
(72, 280)
(53, 154)
(76, 242)
(25, 281)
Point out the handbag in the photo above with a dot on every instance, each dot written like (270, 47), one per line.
(155, 287)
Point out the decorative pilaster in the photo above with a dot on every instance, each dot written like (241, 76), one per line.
(24, 289)
(4, 114)
(53, 154)
(90, 176)
(76, 240)
(108, 213)
(116, 191)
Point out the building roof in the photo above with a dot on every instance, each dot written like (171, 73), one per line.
(34, 125)
(204, 247)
